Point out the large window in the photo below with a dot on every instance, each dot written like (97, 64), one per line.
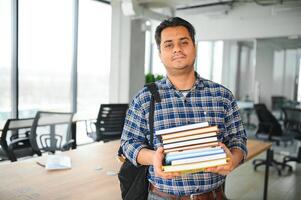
(5, 60)
(210, 60)
(45, 55)
(158, 67)
(94, 56)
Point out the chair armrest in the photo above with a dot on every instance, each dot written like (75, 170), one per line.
(67, 145)
(15, 141)
(10, 148)
(89, 124)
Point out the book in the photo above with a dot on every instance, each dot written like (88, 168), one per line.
(168, 159)
(190, 132)
(189, 142)
(182, 128)
(193, 150)
(177, 149)
(190, 137)
(55, 162)
(198, 159)
(194, 167)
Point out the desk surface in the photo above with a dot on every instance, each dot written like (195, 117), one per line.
(25, 180)
(29, 181)
(256, 147)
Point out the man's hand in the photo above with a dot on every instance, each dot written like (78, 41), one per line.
(157, 162)
(235, 156)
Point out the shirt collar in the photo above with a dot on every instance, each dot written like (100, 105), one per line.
(199, 83)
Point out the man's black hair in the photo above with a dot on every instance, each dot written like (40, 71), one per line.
(173, 22)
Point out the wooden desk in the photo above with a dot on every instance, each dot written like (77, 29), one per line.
(25, 180)
(256, 147)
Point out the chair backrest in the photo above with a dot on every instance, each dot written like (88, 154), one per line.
(292, 119)
(15, 129)
(267, 122)
(278, 102)
(110, 120)
(51, 131)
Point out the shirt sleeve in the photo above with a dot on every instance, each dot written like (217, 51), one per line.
(134, 131)
(236, 136)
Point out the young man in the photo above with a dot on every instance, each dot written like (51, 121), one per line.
(186, 98)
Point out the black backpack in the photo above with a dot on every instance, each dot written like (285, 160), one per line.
(133, 180)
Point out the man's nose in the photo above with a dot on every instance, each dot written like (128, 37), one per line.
(177, 48)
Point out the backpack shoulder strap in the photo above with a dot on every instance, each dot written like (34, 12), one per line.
(155, 98)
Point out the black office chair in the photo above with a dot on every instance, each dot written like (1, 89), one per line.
(269, 129)
(109, 123)
(15, 139)
(277, 103)
(51, 131)
(292, 122)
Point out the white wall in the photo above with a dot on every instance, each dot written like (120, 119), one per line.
(290, 72)
(127, 56)
(229, 70)
(278, 73)
(264, 71)
(245, 77)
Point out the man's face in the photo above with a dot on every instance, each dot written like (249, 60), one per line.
(177, 51)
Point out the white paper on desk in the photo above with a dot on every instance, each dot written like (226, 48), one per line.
(58, 162)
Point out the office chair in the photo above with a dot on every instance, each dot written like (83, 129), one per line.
(277, 104)
(109, 123)
(269, 129)
(51, 131)
(292, 122)
(15, 139)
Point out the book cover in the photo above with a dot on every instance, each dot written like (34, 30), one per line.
(182, 128)
(190, 137)
(55, 162)
(198, 159)
(194, 167)
(190, 132)
(168, 159)
(177, 149)
(189, 142)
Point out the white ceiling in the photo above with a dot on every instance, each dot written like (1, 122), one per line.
(179, 3)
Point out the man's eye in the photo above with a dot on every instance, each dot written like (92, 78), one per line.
(185, 42)
(168, 46)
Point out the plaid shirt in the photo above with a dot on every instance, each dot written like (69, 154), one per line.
(206, 101)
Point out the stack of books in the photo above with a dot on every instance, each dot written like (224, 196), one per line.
(191, 148)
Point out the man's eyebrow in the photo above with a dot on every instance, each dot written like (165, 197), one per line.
(167, 41)
(184, 38)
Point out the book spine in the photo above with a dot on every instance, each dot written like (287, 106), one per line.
(194, 166)
(182, 128)
(194, 150)
(190, 142)
(198, 159)
(190, 132)
(192, 155)
(190, 137)
(176, 149)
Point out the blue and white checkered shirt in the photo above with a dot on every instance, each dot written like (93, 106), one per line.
(205, 102)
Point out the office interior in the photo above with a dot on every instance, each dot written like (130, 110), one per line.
(74, 55)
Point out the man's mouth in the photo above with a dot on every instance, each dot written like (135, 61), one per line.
(178, 57)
